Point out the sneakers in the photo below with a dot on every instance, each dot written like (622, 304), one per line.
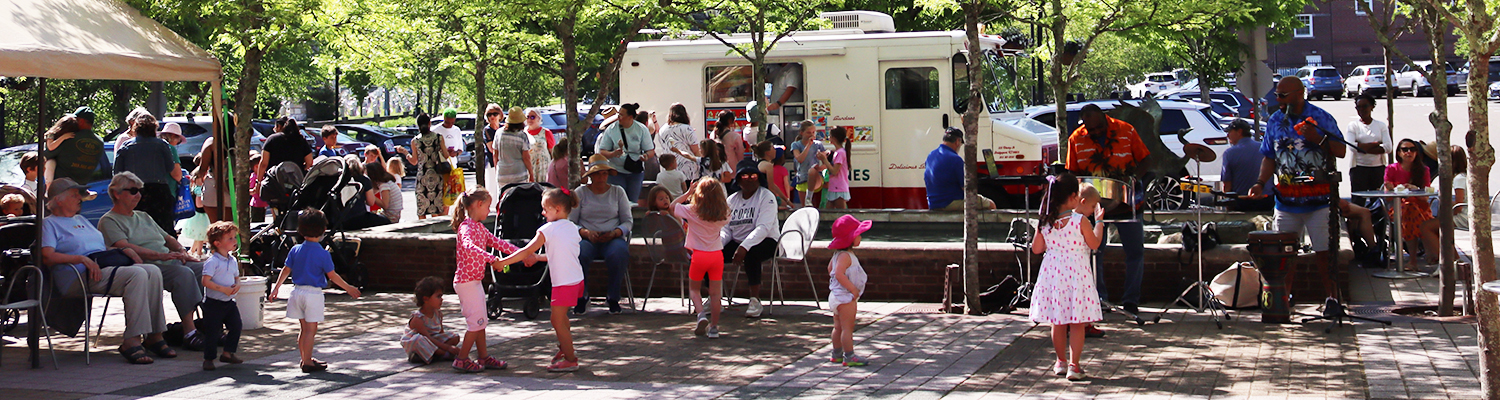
(754, 309)
(702, 328)
(581, 308)
(1060, 368)
(563, 366)
(836, 357)
(614, 308)
(464, 365)
(1076, 374)
(1089, 331)
(854, 361)
(713, 332)
(491, 363)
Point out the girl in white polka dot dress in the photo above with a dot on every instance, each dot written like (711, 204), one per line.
(1065, 295)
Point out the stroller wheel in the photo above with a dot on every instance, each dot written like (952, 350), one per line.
(493, 307)
(533, 307)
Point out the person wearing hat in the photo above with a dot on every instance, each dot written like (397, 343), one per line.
(154, 161)
(73, 150)
(626, 145)
(73, 249)
(1241, 165)
(846, 285)
(512, 149)
(750, 237)
(755, 119)
(604, 221)
(944, 176)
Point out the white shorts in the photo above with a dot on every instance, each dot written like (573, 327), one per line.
(305, 304)
(837, 299)
(1314, 224)
(471, 303)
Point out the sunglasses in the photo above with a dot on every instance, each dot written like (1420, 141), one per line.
(1281, 95)
(530, 117)
(132, 191)
(492, 115)
(1407, 149)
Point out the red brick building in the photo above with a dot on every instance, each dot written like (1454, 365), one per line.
(1337, 34)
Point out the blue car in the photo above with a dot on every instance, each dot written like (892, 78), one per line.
(10, 174)
(1322, 82)
(557, 122)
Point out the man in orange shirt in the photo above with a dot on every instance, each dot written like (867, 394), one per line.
(1110, 148)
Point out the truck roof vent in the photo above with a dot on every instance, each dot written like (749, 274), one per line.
(867, 21)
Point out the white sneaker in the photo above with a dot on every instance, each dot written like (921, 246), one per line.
(1060, 368)
(1076, 374)
(754, 309)
(713, 332)
(702, 325)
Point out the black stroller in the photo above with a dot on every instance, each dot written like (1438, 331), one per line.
(520, 217)
(326, 188)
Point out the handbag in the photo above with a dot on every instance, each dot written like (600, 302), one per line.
(631, 165)
(443, 167)
(1190, 236)
(111, 258)
(186, 207)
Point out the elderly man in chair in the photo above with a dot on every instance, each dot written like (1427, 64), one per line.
(127, 228)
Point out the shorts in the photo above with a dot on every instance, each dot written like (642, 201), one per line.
(306, 304)
(832, 195)
(710, 263)
(471, 303)
(567, 295)
(835, 299)
(802, 187)
(210, 192)
(1314, 224)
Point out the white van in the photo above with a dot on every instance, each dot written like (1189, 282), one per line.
(894, 92)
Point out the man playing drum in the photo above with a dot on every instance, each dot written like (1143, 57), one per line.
(1297, 150)
(1110, 148)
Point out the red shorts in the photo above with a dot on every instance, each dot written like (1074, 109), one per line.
(710, 263)
(567, 296)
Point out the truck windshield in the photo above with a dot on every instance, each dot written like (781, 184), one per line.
(1003, 89)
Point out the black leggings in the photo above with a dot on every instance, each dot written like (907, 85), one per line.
(158, 201)
(218, 316)
(754, 258)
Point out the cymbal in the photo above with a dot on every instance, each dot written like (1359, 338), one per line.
(1199, 152)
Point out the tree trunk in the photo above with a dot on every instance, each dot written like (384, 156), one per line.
(1390, 94)
(1059, 82)
(1438, 78)
(481, 66)
(576, 127)
(972, 9)
(244, 111)
(1481, 158)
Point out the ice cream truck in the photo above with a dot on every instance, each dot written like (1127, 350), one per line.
(894, 92)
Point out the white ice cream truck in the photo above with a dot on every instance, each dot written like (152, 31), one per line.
(894, 93)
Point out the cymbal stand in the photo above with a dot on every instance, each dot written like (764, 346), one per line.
(1205, 295)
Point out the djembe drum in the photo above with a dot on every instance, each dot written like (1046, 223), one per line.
(1272, 252)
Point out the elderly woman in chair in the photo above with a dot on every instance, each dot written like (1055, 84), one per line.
(126, 227)
(78, 254)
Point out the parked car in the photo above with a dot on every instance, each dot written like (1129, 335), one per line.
(315, 139)
(1415, 80)
(1153, 84)
(195, 130)
(557, 122)
(1175, 115)
(386, 138)
(1321, 82)
(1232, 99)
(1366, 79)
(11, 175)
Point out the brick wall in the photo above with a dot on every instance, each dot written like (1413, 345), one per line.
(898, 271)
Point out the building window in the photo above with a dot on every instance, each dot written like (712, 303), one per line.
(1359, 9)
(1306, 31)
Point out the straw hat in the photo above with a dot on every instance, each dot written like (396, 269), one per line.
(598, 163)
(845, 229)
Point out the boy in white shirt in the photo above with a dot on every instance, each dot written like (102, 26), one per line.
(669, 177)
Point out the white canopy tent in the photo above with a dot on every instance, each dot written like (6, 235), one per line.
(99, 39)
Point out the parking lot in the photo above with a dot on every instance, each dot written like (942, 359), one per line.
(1411, 120)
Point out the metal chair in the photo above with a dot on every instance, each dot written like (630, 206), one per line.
(665, 243)
(791, 246)
(35, 305)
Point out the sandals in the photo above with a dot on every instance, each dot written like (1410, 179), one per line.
(161, 350)
(136, 355)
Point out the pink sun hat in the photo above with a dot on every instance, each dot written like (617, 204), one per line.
(845, 229)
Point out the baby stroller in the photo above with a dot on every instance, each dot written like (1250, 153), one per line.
(325, 188)
(520, 217)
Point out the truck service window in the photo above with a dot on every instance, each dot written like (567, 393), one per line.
(728, 84)
(911, 88)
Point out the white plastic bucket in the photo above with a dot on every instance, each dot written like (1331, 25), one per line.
(252, 301)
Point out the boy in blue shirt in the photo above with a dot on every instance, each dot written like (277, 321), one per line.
(311, 268)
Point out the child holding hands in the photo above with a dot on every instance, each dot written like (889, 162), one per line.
(221, 279)
(561, 238)
(1065, 295)
(474, 242)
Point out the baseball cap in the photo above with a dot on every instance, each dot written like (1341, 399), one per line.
(63, 185)
(85, 113)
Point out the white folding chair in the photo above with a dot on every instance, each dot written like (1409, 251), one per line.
(791, 247)
(36, 305)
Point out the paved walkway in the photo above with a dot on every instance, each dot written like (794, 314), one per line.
(915, 353)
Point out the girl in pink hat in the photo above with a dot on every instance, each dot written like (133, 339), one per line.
(1065, 296)
(846, 283)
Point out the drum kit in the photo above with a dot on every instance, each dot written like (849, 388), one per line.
(1204, 294)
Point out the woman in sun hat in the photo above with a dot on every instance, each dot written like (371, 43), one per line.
(604, 220)
(846, 284)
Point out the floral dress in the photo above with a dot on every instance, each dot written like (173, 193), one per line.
(1065, 291)
(416, 344)
(429, 181)
(541, 152)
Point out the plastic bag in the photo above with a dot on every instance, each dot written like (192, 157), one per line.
(186, 207)
(453, 186)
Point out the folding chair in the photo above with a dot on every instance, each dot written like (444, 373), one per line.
(665, 245)
(35, 305)
(791, 246)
